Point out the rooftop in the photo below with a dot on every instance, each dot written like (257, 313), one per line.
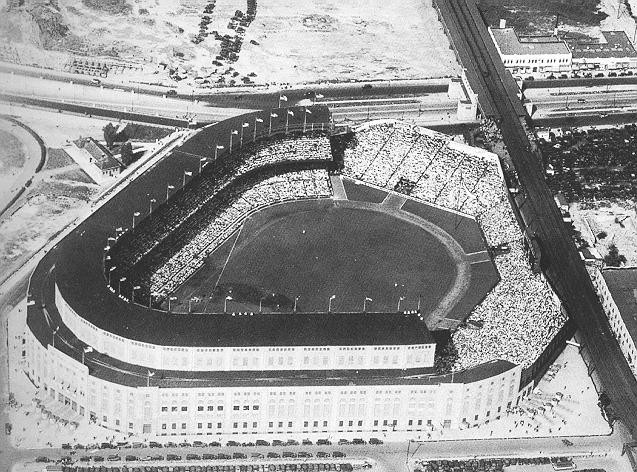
(617, 45)
(104, 159)
(510, 43)
(622, 284)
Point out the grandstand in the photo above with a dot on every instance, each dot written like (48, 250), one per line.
(99, 304)
(521, 315)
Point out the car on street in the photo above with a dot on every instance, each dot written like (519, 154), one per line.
(323, 442)
(185, 444)
(342, 442)
(42, 459)
(154, 444)
(223, 456)
(198, 444)
(304, 454)
(261, 442)
(193, 457)
(215, 444)
(306, 442)
(209, 457)
(277, 442)
(273, 455)
(288, 455)
(338, 454)
(132, 458)
(358, 441)
(98, 459)
(375, 441)
(232, 444)
(322, 454)
(257, 455)
(85, 459)
(292, 442)
(113, 458)
(239, 455)
(173, 457)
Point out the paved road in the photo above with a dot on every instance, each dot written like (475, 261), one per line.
(33, 159)
(562, 264)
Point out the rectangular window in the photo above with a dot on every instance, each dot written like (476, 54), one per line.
(235, 425)
(325, 424)
(255, 407)
(183, 425)
(246, 407)
(235, 408)
(280, 424)
(184, 408)
(211, 408)
(305, 424)
(199, 425)
(164, 408)
(220, 408)
(163, 426)
(209, 425)
(200, 408)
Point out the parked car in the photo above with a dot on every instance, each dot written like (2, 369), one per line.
(277, 442)
(114, 458)
(185, 444)
(42, 459)
(173, 457)
(232, 444)
(261, 442)
(304, 454)
(209, 457)
(154, 444)
(323, 442)
(158, 457)
(193, 457)
(306, 442)
(342, 442)
(338, 454)
(257, 455)
(85, 459)
(273, 455)
(288, 455)
(132, 458)
(375, 441)
(223, 456)
(322, 454)
(239, 455)
(292, 442)
(98, 459)
(198, 444)
(358, 441)
(171, 444)
(215, 444)
(137, 445)
(66, 446)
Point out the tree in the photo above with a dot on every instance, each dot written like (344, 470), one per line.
(614, 258)
(110, 133)
(126, 153)
(602, 235)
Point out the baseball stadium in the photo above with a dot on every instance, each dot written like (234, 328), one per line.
(275, 274)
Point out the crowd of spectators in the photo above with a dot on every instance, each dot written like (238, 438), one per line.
(169, 246)
(520, 316)
(221, 217)
(598, 164)
(426, 165)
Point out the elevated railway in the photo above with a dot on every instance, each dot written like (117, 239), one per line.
(561, 262)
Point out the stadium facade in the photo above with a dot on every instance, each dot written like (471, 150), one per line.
(92, 346)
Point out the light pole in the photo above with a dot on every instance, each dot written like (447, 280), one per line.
(256, 120)
(217, 149)
(244, 125)
(135, 215)
(150, 205)
(282, 98)
(119, 285)
(150, 374)
(186, 173)
(170, 299)
(329, 303)
(272, 115)
(367, 299)
(400, 299)
(110, 271)
(136, 287)
(296, 299)
(287, 119)
(234, 131)
(54, 333)
(261, 303)
(86, 350)
(306, 111)
(168, 188)
(201, 163)
(225, 303)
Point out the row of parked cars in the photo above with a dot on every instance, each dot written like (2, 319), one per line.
(197, 457)
(258, 442)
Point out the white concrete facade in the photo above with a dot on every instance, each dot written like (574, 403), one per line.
(402, 405)
(250, 358)
(616, 321)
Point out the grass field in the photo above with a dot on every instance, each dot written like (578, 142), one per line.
(315, 249)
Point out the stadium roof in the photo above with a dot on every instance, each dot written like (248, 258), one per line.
(76, 267)
(622, 285)
(509, 43)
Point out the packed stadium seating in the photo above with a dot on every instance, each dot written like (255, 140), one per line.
(167, 248)
(519, 317)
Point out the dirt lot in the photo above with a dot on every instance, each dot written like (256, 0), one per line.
(618, 222)
(311, 41)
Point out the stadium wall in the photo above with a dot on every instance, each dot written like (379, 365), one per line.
(267, 409)
(252, 358)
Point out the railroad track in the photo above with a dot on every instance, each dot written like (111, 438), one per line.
(565, 270)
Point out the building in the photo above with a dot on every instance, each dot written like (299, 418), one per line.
(553, 55)
(617, 290)
(101, 157)
(141, 369)
(615, 53)
(531, 54)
